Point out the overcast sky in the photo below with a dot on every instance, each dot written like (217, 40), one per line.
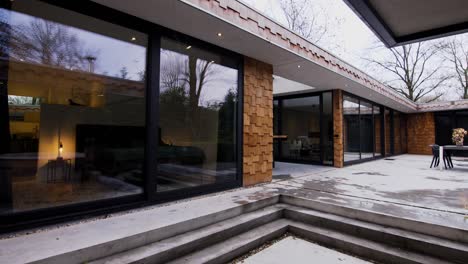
(352, 35)
(351, 40)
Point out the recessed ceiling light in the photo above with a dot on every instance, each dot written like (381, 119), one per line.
(189, 47)
(133, 38)
(220, 34)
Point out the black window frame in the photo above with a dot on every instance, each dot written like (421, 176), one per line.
(382, 130)
(39, 217)
(280, 99)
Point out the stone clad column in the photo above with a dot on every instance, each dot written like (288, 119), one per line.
(258, 122)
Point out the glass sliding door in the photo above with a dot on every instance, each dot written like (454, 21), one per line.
(84, 127)
(300, 121)
(367, 130)
(198, 105)
(351, 129)
(276, 129)
(72, 112)
(362, 129)
(388, 122)
(377, 131)
(327, 128)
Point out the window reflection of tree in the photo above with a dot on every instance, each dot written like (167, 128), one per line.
(49, 43)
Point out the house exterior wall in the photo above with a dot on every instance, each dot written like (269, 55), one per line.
(421, 133)
(338, 158)
(258, 122)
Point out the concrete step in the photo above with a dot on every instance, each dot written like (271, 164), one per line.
(142, 235)
(167, 249)
(411, 241)
(363, 248)
(443, 231)
(236, 246)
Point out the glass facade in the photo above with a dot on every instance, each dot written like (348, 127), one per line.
(445, 122)
(306, 122)
(362, 129)
(197, 117)
(74, 120)
(84, 126)
(351, 129)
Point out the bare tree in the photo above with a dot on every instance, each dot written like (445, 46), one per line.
(456, 52)
(415, 70)
(308, 20)
(48, 43)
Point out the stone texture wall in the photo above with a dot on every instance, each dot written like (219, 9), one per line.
(421, 133)
(338, 158)
(258, 122)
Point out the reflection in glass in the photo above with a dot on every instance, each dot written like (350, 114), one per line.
(327, 128)
(300, 121)
(197, 119)
(351, 128)
(377, 131)
(367, 130)
(72, 124)
(276, 128)
(388, 129)
(397, 133)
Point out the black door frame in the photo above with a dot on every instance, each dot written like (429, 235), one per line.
(280, 99)
(38, 217)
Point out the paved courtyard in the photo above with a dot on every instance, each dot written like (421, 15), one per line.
(403, 180)
(296, 250)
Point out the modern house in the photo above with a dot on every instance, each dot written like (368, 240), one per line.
(107, 105)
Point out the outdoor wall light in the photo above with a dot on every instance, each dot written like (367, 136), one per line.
(188, 47)
(133, 38)
(298, 66)
(220, 34)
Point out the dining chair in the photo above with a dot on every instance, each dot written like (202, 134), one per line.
(436, 157)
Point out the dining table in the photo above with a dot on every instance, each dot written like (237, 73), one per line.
(450, 148)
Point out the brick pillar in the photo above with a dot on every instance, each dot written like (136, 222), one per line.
(338, 128)
(258, 122)
(421, 133)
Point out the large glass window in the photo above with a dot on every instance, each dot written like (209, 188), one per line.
(72, 108)
(351, 129)
(362, 129)
(399, 128)
(327, 128)
(388, 119)
(445, 122)
(276, 129)
(197, 117)
(367, 130)
(300, 121)
(377, 131)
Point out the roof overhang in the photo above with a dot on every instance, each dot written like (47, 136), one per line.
(248, 32)
(399, 22)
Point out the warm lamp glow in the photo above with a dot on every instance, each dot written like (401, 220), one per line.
(60, 149)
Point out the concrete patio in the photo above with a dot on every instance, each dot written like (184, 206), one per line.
(403, 180)
(399, 199)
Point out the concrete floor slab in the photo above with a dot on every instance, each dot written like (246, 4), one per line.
(405, 180)
(296, 250)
